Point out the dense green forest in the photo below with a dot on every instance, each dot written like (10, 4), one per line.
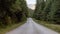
(16, 11)
(12, 12)
(48, 10)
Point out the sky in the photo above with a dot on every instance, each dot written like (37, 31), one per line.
(31, 4)
(31, 1)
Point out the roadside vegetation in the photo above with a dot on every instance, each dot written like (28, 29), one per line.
(54, 27)
(12, 14)
(47, 13)
(10, 27)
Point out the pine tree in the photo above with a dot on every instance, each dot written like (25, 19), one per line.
(55, 12)
(39, 8)
(46, 9)
(12, 12)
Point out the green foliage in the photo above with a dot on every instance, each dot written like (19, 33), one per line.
(39, 8)
(54, 27)
(12, 12)
(48, 10)
(55, 12)
(30, 12)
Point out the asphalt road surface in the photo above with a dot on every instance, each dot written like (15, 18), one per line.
(31, 27)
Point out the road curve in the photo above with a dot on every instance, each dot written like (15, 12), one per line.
(30, 27)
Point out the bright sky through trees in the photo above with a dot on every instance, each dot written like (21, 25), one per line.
(31, 4)
(31, 1)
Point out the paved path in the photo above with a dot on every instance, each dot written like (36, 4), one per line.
(30, 27)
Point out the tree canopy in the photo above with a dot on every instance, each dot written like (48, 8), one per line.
(48, 10)
(12, 12)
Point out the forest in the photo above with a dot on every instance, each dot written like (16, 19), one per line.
(12, 12)
(47, 13)
(48, 10)
(16, 11)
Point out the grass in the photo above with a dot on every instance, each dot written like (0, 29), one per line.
(54, 27)
(9, 28)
